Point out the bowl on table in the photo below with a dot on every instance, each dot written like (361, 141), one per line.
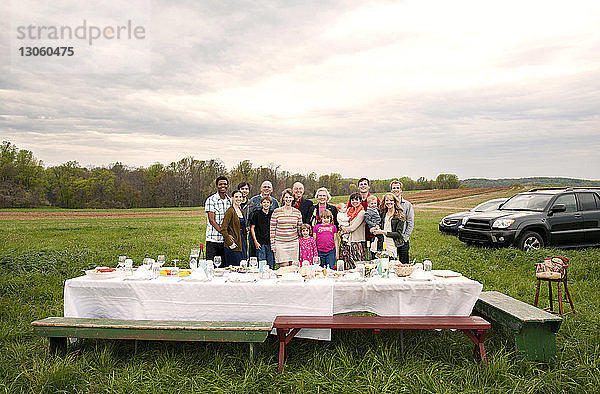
(404, 269)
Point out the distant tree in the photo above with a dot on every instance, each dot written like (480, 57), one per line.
(447, 181)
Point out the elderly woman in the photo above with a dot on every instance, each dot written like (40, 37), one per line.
(354, 249)
(323, 197)
(392, 220)
(234, 233)
(285, 222)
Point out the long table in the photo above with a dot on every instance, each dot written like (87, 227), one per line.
(219, 300)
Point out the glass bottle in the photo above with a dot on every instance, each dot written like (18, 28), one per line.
(385, 261)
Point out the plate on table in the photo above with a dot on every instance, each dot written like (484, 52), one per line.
(350, 277)
(291, 277)
(241, 278)
(103, 273)
(446, 273)
(420, 275)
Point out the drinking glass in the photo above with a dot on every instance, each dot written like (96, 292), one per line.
(121, 261)
(244, 264)
(427, 265)
(253, 262)
(210, 271)
(175, 269)
(161, 259)
(194, 256)
(316, 260)
(261, 265)
(217, 261)
(129, 265)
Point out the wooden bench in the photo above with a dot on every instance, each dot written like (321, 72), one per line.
(474, 327)
(58, 329)
(534, 329)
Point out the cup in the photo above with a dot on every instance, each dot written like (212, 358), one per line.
(427, 265)
(316, 260)
(261, 265)
(340, 265)
(244, 264)
(361, 270)
(253, 262)
(193, 264)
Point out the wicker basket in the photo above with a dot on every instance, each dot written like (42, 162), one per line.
(404, 269)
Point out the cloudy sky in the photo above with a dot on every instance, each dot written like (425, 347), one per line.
(490, 89)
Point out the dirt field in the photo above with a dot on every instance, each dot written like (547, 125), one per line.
(420, 198)
(427, 196)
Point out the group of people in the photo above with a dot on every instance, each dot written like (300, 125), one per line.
(294, 229)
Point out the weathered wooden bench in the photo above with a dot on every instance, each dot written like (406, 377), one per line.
(58, 329)
(534, 329)
(474, 327)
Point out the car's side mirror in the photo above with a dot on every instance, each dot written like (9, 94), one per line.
(558, 208)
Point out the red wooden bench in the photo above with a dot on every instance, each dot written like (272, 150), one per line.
(473, 327)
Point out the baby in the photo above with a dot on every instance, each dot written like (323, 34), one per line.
(373, 219)
(343, 219)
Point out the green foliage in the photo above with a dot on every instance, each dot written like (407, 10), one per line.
(36, 257)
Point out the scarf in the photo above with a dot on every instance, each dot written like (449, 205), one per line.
(352, 212)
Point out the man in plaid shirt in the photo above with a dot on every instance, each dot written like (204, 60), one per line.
(215, 208)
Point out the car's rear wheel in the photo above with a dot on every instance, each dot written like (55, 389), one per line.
(531, 241)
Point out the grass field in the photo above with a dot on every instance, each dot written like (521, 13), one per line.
(36, 257)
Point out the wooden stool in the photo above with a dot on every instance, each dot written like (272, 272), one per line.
(554, 270)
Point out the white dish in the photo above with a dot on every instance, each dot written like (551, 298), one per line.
(352, 277)
(291, 277)
(93, 274)
(241, 278)
(420, 275)
(446, 273)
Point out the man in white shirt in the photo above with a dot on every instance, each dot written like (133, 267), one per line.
(215, 208)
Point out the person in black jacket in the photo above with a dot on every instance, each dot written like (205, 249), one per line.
(322, 195)
(300, 203)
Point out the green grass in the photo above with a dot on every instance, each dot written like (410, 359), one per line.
(36, 257)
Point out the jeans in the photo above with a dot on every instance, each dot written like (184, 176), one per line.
(328, 258)
(403, 253)
(265, 253)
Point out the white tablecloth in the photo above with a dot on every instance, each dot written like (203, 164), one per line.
(166, 299)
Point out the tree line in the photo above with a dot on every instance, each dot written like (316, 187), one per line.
(25, 182)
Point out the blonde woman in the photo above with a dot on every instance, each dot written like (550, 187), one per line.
(392, 219)
(285, 222)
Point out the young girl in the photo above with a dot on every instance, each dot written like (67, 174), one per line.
(326, 240)
(308, 246)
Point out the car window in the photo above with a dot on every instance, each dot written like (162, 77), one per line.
(587, 201)
(528, 202)
(487, 206)
(568, 200)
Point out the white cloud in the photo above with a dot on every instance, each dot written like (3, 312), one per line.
(413, 88)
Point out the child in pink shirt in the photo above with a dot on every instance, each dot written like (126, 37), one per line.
(308, 246)
(326, 240)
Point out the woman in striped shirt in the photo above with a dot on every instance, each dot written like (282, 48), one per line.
(285, 222)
